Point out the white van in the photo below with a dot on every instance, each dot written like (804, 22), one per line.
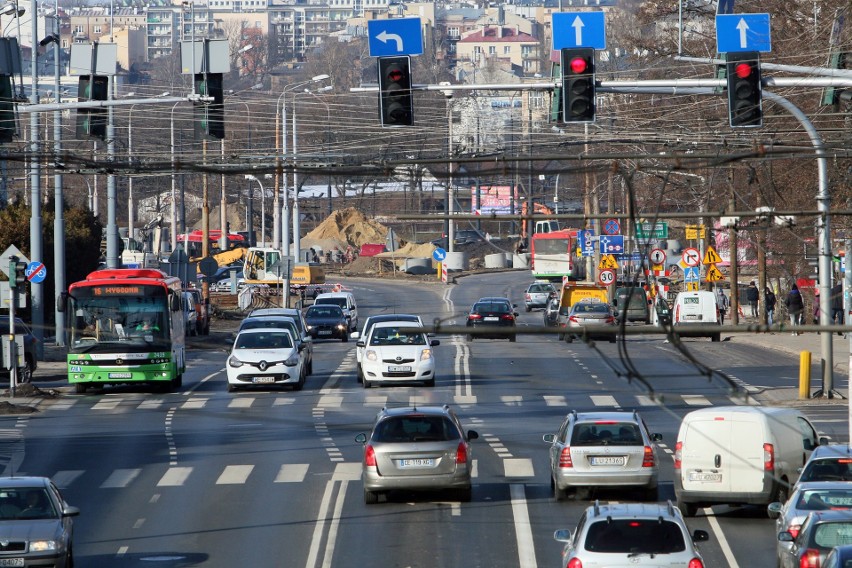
(693, 309)
(740, 455)
(346, 301)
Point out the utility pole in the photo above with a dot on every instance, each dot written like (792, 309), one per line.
(735, 288)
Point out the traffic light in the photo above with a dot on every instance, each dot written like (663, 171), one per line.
(209, 116)
(395, 102)
(8, 124)
(744, 90)
(17, 275)
(578, 84)
(831, 95)
(92, 121)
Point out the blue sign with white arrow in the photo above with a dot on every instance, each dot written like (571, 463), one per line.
(579, 29)
(691, 274)
(743, 32)
(586, 240)
(439, 254)
(400, 36)
(611, 244)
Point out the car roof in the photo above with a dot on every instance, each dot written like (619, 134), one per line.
(25, 481)
(633, 511)
(494, 299)
(393, 317)
(275, 312)
(332, 295)
(831, 451)
(811, 485)
(265, 330)
(269, 317)
(606, 415)
(404, 410)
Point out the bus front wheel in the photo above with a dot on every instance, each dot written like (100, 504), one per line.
(79, 388)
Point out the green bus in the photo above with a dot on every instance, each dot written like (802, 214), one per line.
(125, 326)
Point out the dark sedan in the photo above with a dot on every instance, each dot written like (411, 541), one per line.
(327, 321)
(490, 314)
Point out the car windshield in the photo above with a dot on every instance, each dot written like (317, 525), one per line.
(638, 536)
(392, 336)
(492, 307)
(829, 535)
(541, 288)
(588, 308)
(420, 428)
(271, 340)
(828, 469)
(26, 503)
(334, 301)
(261, 323)
(607, 434)
(324, 312)
(823, 499)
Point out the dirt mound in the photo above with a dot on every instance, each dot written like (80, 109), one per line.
(411, 250)
(349, 227)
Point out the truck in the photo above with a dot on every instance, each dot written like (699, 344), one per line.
(263, 265)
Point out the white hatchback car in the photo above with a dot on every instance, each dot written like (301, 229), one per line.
(393, 356)
(265, 357)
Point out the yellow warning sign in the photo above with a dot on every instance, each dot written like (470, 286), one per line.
(692, 286)
(711, 257)
(695, 232)
(714, 274)
(607, 261)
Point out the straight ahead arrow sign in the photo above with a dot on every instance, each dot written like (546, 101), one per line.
(743, 28)
(578, 30)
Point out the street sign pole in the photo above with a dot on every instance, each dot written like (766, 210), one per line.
(13, 357)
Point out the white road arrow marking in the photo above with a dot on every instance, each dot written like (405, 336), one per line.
(743, 26)
(578, 30)
(385, 37)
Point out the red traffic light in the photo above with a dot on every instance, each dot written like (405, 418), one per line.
(395, 74)
(579, 65)
(742, 70)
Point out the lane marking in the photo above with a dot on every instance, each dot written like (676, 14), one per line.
(120, 478)
(174, 477)
(523, 528)
(334, 524)
(518, 467)
(292, 473)
(234, 475)
(241, 402)
(202, 381)
(64, 478)
(720, 538)
(319, 527)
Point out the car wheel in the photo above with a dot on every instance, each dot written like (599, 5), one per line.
(715, 337)
(367, 384)
(301, 383)
(311, 367)
(370, 497)
(69, 558)
(558, 494)
(582, 493)
(512, 338)
(176, 383)
(232, 388)
(359, 375)
(782, 493)
(529, 309)
(687, 509)
(80, 388)
(465, 495)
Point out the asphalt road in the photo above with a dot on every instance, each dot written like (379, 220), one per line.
(271, 478)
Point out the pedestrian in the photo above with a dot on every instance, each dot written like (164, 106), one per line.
(752, 295)
(816, 307)
(795, 306)
(769, 300)
(722, 305)
(837, 305)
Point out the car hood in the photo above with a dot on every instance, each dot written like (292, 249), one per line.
(257, 355)
(402, 351)
(31, 529)
(324, 321)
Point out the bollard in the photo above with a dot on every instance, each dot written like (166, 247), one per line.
(804, 375)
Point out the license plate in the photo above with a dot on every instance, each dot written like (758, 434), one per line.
(608, 460)
(399, 369)
(11, 561)
(262, 380)
(489, 318)
(327, 332)
(691, 317)
(417, 463)
(111, 376)
(701, 476)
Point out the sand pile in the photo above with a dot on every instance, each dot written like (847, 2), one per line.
(411, 250)
(349, 227)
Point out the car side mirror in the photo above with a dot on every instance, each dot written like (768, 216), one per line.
(517, 314)
(434, 343)
(360, 344)
(774, 509)
(562, 535)
(700, 536)
(656, 437)
(70, 511)
(549, 438)
(824, 440)
(472, 435)
(785, 536)
(361, 438)
(354, 335)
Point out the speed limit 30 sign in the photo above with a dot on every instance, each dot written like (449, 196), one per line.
(606, 277)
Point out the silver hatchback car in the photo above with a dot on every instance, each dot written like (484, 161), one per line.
(416, 448)
(603, 449)
(629, 534)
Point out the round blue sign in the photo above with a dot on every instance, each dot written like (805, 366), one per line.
(612, 227)
(439, 254)
(36, 272)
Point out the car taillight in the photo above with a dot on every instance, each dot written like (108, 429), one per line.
(677, 313)
(461, 453)
(696, 563)
(809, 559)
(370, 457)
(794, 530)
(610, 320)
(507, 317)
(565, 458)
(768, 457)
(678, 454)
(648, 460)
(474, 317)
(574, 319)
(575, 563)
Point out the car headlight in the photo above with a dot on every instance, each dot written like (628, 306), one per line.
(426, 354)
(43, 545)
(309, 327)
(371, 355)
(292, 360)
(341, 326)
(234, 362)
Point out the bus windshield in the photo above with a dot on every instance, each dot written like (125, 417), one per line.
(551, 246)
(102, 321)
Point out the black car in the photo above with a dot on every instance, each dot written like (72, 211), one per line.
(327, 321)
(492, 313)
(25, 373)
(468, 236)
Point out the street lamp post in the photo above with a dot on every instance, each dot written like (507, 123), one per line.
(174, 181)
(262, 208)
(325, 139)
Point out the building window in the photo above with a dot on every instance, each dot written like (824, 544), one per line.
(507, 50)
(492, 50)
(97, 30)
(453, 32)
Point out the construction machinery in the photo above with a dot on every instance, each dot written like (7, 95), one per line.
(542, 226)
(265, 265)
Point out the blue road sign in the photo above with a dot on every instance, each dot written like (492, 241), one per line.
(439, 254)
(586, 240)
(612, 227)
(579, 29)
(691, 274)
(742, 32)
(399, 36)
(36, 272)
(612, 244)
(632, 257)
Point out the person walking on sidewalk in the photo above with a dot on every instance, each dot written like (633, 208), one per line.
(837, 304)
(721, 304)
(816, 307)
(795, 306)
(752, 295)
(769, 300)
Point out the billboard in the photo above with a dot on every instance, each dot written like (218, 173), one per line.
(494, 200)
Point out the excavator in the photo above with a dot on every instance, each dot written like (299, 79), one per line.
(543, 226)
(263, 266)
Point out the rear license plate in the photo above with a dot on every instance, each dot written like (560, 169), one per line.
(399, 369)
(325, 332)
(702, 476)
(111, 376)
(417, 463)
(691, 317)
(608, 460)
(262, 380)
(11, 561)
(490, 319)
